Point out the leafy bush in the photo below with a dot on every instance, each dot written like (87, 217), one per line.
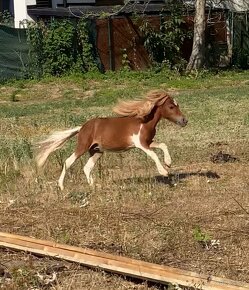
(59, 47)
(164, 45)
(6, 18)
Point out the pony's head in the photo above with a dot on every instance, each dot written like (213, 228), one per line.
(156, 99)
(170, 110)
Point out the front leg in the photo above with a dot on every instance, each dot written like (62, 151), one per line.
(144, 145)
(153, 156)
(164, 148)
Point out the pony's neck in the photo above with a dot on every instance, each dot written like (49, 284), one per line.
(153, 118)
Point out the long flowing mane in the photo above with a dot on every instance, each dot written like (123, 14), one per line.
(141, 107)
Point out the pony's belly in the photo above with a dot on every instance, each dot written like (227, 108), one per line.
(112, 144)
(120, 148)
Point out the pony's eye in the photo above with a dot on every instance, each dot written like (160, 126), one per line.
(171, 107)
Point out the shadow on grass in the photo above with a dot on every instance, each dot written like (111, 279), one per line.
(172, 178)
(180, 176)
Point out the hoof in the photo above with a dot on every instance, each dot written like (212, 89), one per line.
(166, 167)
(164, 172)
(61, 187)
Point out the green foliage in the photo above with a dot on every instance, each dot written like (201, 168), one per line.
(164, 45)
(6, 18)
(13, 96)
(241, 57)
(125, 60)
(36, 53)
(200, 236)
(85, 47)
(24, 276)
(18, 150)
(59, 47)
(13, 154)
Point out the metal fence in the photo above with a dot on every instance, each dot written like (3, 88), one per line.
(14, 53)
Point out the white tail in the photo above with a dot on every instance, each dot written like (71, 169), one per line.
(52, 143)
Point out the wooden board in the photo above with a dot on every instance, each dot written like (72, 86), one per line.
(120, 265)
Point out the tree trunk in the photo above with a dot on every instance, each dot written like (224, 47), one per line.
(196, 60)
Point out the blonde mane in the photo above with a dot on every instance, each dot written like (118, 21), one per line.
(141, 107)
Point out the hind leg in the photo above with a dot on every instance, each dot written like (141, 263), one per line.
(80, 150)
(67, 164)
(90, 164)
(84, 142)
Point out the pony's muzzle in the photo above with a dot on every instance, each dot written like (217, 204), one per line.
(183, 122)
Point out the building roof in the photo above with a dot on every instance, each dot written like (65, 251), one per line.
(130, 7)
(231, 5)
(79, 11)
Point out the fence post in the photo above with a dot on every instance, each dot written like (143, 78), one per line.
(110, 44)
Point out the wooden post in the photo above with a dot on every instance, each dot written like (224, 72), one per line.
(110, 44)
(120, 265)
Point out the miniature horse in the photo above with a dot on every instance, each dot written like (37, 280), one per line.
(134, 127)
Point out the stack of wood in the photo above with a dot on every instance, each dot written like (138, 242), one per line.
(120, 265)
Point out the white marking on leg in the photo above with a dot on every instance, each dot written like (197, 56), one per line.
(164, 148)
(153, 155)
(67, 164)
(89, 166)
(136, 141)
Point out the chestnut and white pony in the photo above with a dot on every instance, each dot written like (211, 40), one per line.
(134, 127)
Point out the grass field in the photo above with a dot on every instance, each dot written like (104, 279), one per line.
(131, 211)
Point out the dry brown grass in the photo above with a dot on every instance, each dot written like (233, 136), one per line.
(131, 211)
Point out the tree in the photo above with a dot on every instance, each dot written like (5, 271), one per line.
(196, 60)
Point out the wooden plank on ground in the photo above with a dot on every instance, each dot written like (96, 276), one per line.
(119, 264)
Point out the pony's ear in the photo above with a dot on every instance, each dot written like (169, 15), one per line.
(163, 98)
